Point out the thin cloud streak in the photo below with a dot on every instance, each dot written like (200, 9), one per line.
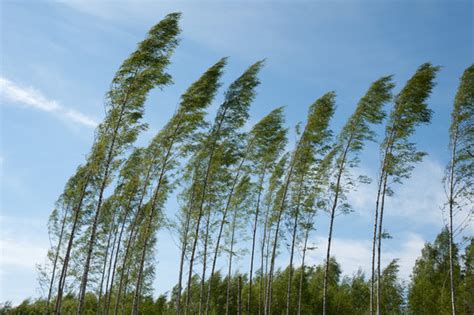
(33, 98)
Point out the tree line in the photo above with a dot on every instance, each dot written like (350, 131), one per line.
(234, 184)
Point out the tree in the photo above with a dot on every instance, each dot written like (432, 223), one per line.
(268, 140)
(231, 116)
(429, 288)
(459, 178)
(142, 71)
(179, 130)
(399, 154)
(349, 143)
(313, 137)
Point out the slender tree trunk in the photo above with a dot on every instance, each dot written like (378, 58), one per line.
(117, 253)
(107, 249)
(109, 271)
(83, 288)
(300, 288)
(136, 299)
(293, 242)
(82, 291)
(223, 222)
(198, 223)
(239, 295)
(204, 264)
(184, 245)
(123, 274)
(202, 201)
(275, 240)
(231, 255)
(131, 236)
(116, 250)
(254, 234)
(451, 230)
(56, 258)
(376, 221)
(379, 247)
(62, 278)
(374, 242)
(264, 262)
(290, 267)
(331, 223)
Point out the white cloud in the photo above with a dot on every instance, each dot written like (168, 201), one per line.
(33, 98)
(419, 198)
(20, 254)
(353, 254)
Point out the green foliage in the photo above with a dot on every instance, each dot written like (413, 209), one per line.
(429, 289)
(410, 110)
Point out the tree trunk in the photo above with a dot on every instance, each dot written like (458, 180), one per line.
(257, 212)
(56, 257)
(331, 222)
(62, 278)
(275, 240)
(239, 295)
(214, 132)
(379, 247)
(82, 291)
(107, 249)
(114, 268)
(293, 242)
(183, 252)
(290, 267)
(264, 263)
(451, 230)
(204, 264)
(131, 236)
(223, 221)
(198, 223)
(109, 271)
(231, 254)
(300, 288)
(136, 298)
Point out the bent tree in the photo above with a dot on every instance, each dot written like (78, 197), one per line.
(315, 133)
(398, 154)
(268, 142)
(349, 143)
(142, 71)
(213, 154)
(169, 144)
(459, 178)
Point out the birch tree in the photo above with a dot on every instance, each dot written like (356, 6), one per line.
(268, 142)
(316, 133)
(398, 154)
(171, 143)
(459, 178)
(312, 147)
(231, 116)
(349, 144)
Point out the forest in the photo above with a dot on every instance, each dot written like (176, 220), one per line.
(254, 185)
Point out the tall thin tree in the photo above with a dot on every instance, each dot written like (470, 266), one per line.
(231, 116)
(315, 132)
(178, 131)
(459, 178)
(349, 143)
(398, 154)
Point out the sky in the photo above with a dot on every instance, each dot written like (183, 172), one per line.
(58, 58)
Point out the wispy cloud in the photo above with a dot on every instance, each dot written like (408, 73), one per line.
(419, 198)
(33, 98)
(354, 254)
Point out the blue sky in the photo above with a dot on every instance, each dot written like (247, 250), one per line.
(57, 60)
